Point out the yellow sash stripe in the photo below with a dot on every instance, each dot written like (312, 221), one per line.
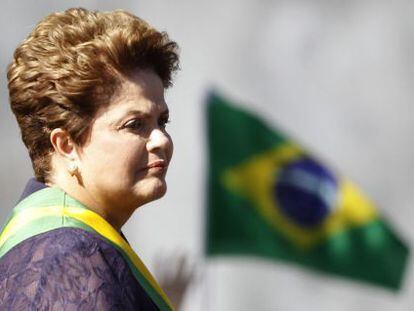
(25, 217)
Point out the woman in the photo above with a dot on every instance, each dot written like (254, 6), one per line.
(87, 90)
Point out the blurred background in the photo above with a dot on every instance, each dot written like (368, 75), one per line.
(336, 75)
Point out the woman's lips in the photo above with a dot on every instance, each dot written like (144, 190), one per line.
(157, 166)
(158, 163)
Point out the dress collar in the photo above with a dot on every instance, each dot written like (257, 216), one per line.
(31, 187)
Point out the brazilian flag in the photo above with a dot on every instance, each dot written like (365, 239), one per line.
(268, 197)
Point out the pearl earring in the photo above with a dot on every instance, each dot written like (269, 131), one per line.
(72, 168)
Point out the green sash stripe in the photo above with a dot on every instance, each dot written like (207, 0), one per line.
(50, 196)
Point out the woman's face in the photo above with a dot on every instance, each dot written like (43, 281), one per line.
(124, 162)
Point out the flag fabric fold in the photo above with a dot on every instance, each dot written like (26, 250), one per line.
(269, 197)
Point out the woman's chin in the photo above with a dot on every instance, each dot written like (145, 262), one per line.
(151, 190)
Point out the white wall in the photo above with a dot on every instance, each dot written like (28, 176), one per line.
(337, 75)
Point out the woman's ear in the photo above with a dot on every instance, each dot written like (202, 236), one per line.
(63, 144)
(66, 151)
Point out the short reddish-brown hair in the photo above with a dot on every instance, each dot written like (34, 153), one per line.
(70, 65)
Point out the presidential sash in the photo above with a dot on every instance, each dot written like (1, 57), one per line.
(52, 208)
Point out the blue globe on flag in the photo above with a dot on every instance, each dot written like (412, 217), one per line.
(306, 192)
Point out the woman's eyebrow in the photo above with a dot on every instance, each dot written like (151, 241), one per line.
(144, 114)
(136, 111)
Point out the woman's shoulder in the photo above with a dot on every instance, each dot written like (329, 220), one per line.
(71, 264)
(56, 245)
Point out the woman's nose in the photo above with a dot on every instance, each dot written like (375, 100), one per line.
(158, 139)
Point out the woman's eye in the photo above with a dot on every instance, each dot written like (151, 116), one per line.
(134, 124)
(164, 121)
